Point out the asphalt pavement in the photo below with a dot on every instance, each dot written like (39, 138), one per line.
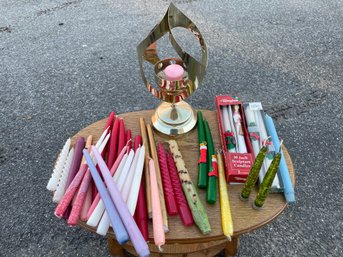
(65, 64)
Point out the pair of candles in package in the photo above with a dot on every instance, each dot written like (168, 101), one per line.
(81, 197)
(246, 130)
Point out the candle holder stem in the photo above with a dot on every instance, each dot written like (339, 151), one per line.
(174, 118)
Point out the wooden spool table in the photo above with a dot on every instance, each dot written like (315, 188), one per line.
(188, 241)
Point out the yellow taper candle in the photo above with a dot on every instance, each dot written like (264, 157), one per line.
(227, 224)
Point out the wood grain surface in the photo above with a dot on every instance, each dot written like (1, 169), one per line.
(245, 218)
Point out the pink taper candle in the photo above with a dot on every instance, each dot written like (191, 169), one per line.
(157, 220)
(136, 237)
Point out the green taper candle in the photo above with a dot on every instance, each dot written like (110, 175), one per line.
(267, 182)
(202, 163)
(211, 190)
(253, 174)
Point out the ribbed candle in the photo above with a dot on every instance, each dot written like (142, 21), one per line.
(61, 187)
(182, 205)
(56, 173)
(167, 185)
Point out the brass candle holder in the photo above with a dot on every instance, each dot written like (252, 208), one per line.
(173, 116)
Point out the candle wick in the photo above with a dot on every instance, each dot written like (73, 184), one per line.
(160, 249)
(281, 142)
(265, 141)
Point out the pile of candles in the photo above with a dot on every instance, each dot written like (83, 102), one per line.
(135, 184)
(118, 198)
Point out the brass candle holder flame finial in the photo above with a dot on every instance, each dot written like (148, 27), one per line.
(176, 78)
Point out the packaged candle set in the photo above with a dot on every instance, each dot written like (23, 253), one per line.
(259, 135)
(235, 140)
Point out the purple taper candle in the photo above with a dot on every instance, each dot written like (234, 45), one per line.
(74, 167)
(117, 224)
(135, 234)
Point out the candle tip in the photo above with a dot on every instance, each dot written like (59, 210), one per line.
(160, 249)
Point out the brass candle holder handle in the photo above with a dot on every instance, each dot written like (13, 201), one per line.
(173, 116)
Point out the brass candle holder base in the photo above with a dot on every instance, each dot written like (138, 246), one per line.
(174, 119)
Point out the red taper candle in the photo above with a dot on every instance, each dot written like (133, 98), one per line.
(122, 137)
(128, 139)
(141, 213)
(109, 124)
(166, 181)
(113, 150)
(182, 205)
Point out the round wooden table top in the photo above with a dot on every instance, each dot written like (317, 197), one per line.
(245, 218)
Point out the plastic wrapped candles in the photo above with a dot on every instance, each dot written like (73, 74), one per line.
(229, 134)
(237, 120)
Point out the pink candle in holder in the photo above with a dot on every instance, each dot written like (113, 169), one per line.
(174, 72)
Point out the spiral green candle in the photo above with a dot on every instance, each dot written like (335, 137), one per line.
(253, 174)
(267, 182)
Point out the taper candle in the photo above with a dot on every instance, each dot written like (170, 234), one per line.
(113, 149)
(202, 162)
(104, 223)
(211, 190)
(228, 131)
(182, 206)
(158, 176)
(225, 210)
(286, 179)
(167, 185)
(157, 220)
(136, 182)
(56, 173)
(146, 165)
(61, 187)
(267, 182)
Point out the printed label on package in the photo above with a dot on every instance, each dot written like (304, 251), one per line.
(255, 106)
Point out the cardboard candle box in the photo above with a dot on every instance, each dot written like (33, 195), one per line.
(237, 165)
